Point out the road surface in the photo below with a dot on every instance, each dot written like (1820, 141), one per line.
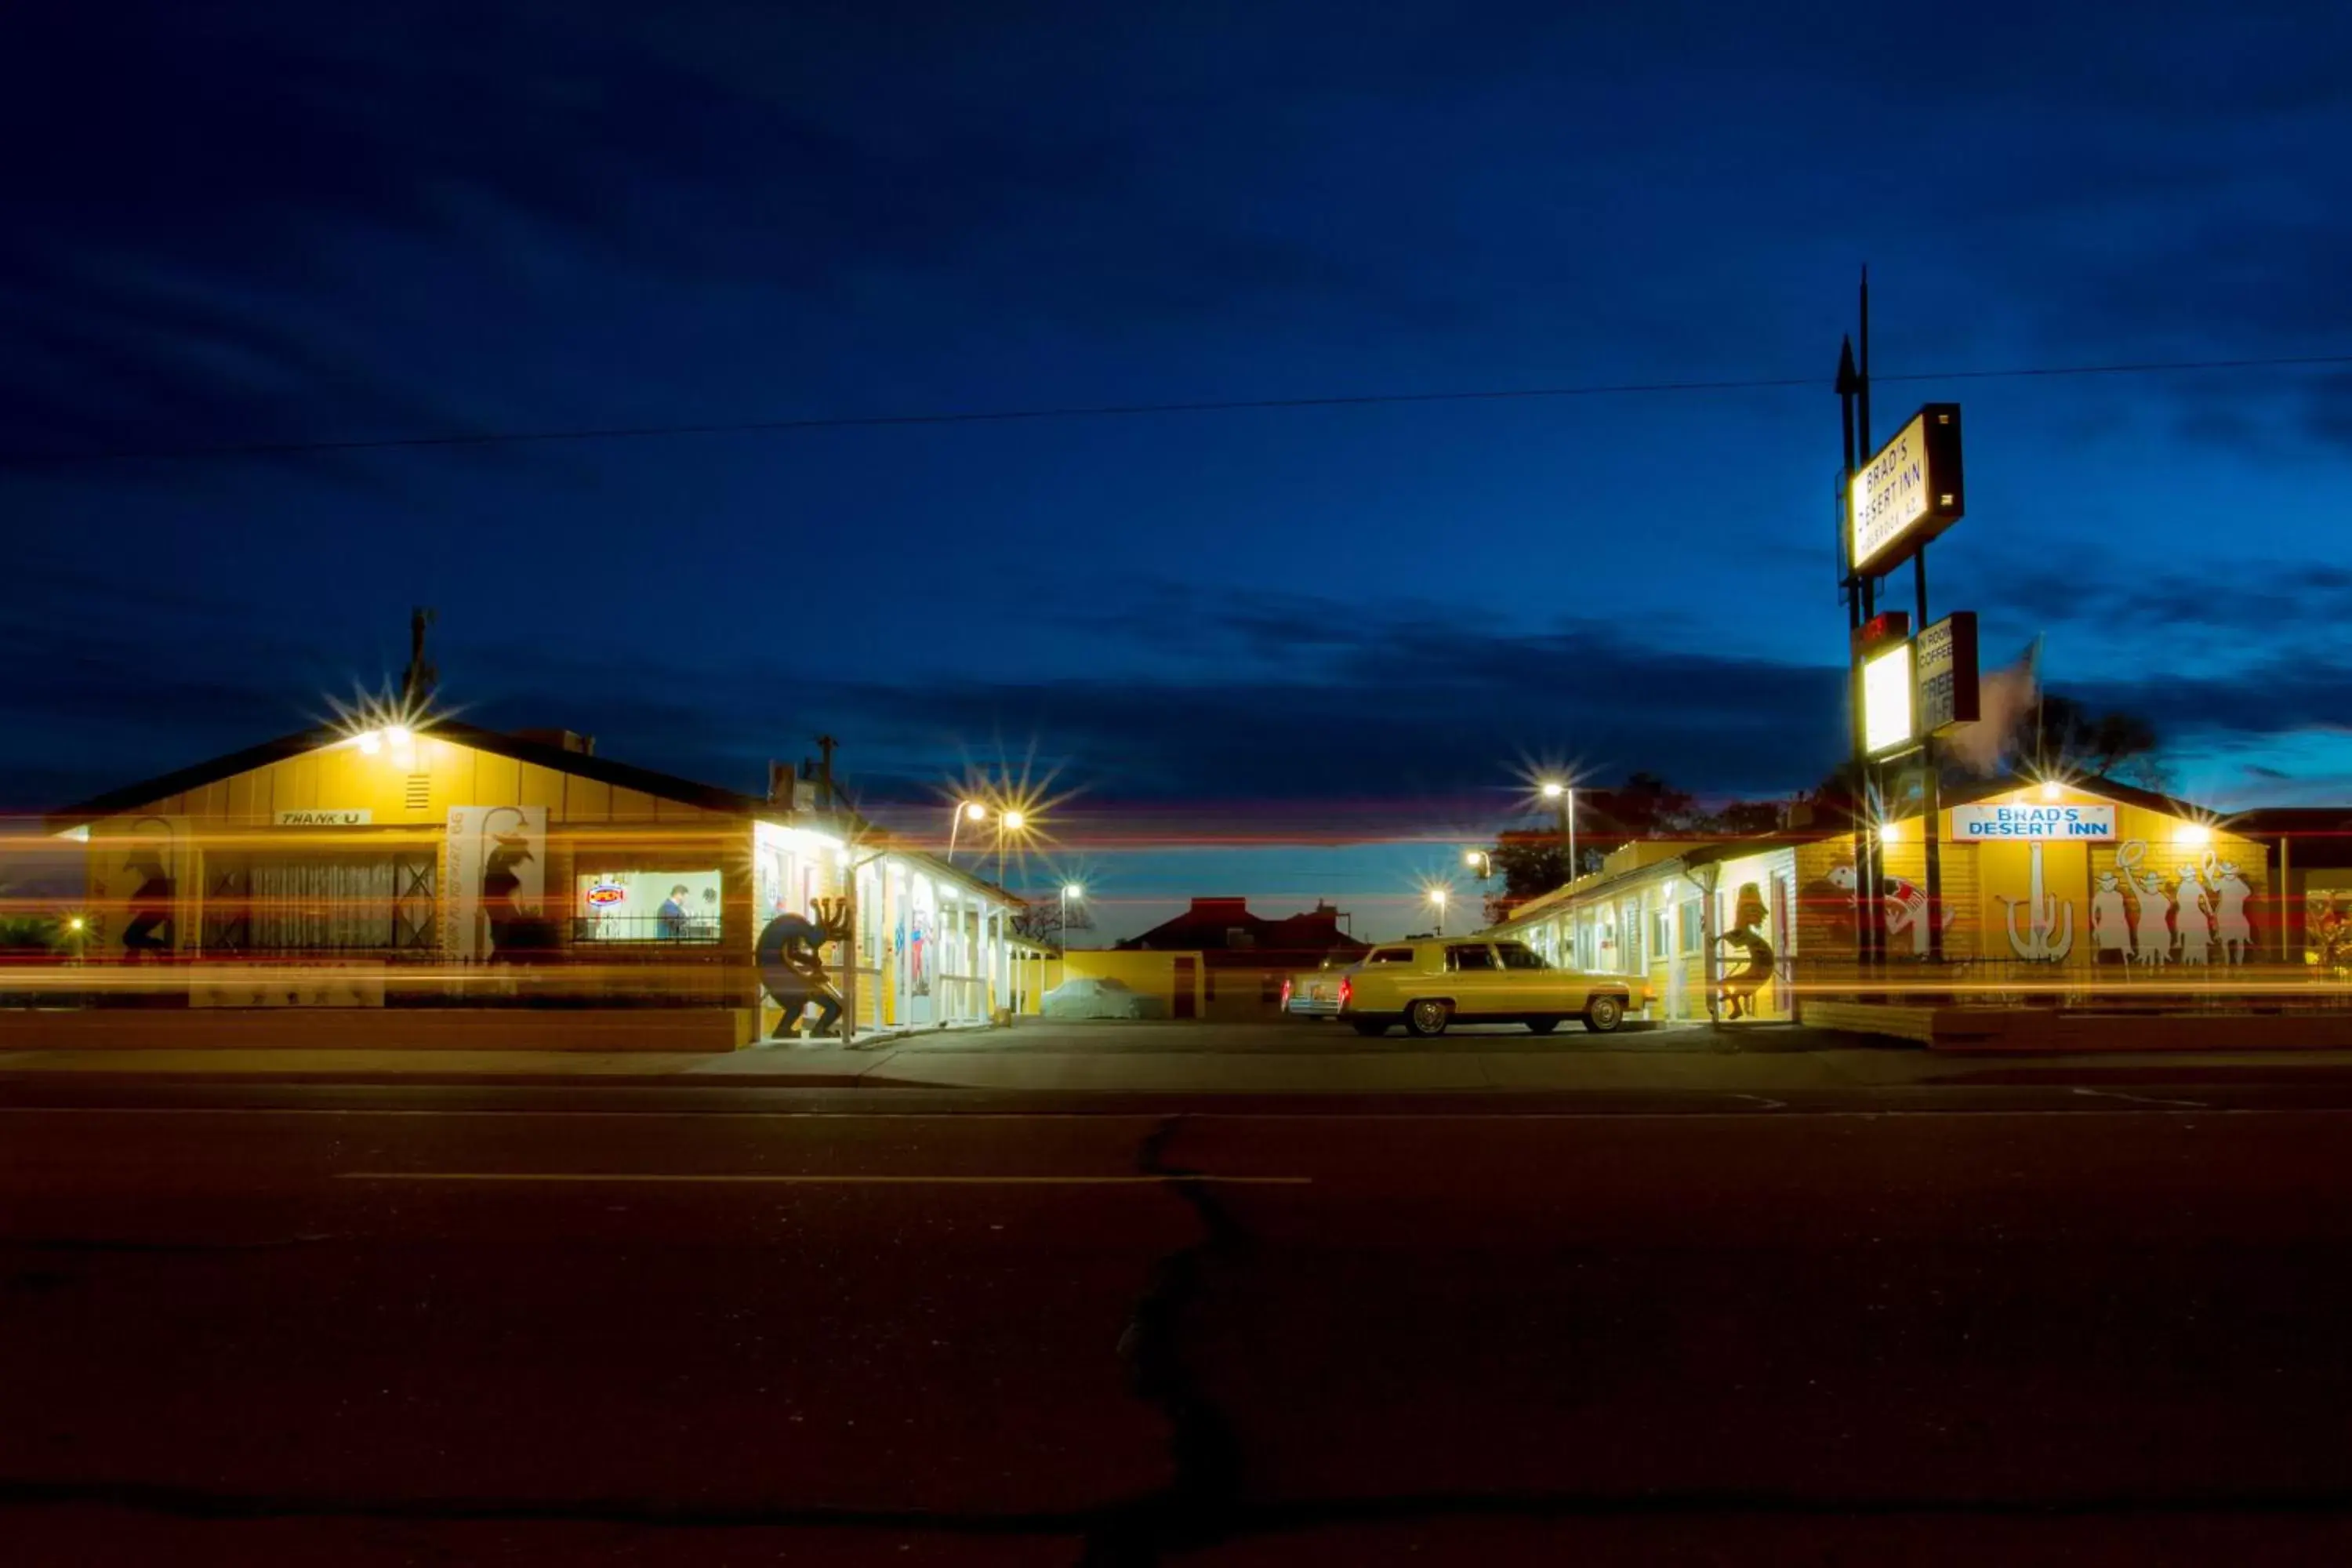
(2017, 1323)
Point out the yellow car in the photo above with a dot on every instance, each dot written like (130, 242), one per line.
(1427, 986)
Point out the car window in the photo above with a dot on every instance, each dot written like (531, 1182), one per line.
(1391, 955)
(1519, 956)
(1111, 984)
(1470, 955)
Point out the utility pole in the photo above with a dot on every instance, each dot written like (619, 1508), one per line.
(1865, 882)
(417, 682)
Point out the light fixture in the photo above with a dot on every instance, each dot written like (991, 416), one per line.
(1889, 831)
(2192, 834)
(1073, 890)
(74, 924)
(399, 734)
(1469, 857)
(1553, 789)
(1016, 820)
(370, 742)
(1437, 897)
(975, 812)
(2050, 789)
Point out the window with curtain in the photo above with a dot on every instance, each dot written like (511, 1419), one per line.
(323, 905)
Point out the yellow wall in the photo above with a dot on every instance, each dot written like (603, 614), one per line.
(1152, 974)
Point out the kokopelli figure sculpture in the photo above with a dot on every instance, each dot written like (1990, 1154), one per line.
(832, 914)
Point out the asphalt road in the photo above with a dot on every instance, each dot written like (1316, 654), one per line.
(388, 1326)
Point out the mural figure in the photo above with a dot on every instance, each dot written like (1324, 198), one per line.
(2330, 924)
(150, 909)
(1904, 901)
(2111, 934)
(2047, 934)
(1739, 989)
(918, 958)
(2154, 924)
(2231, 926)
(2192, 918)
(517, 935)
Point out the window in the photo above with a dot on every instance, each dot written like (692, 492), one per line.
(1391, 955)
(1690, 926)
(1517, 955)
(1661, 934)
(1470, 956)
(645, 906)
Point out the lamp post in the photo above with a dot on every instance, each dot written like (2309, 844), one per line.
(1437, 897)
(1069, 891)
(1566, 794)
(965, 811)
(1480, 861)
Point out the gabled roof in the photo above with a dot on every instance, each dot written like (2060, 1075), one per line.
(580, 764)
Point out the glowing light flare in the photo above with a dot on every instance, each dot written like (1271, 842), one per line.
(1015, 819)
(2192, 836)
(975, 812)
(1890, 832)
(1552, 789)
(1073, 890)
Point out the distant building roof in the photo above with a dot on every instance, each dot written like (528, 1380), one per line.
(1227, 924)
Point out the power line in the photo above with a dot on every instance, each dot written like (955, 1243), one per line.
(1110, 411)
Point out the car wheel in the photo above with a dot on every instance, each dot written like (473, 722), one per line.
(1542, 1026)
(1371, 1028)
(1603, 1013)
(1427, 1017)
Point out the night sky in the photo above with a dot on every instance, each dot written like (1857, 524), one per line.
(1354, 627)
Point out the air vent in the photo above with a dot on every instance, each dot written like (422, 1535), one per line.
(420, 791)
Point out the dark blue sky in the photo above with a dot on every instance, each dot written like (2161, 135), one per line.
(253, 223)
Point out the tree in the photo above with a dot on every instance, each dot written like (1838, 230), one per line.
(1743, 817)
(2065, 735)
(1041, 922)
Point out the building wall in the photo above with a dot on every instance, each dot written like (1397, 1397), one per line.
(1152, 974)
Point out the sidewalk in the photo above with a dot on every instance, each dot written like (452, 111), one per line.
(960, 1062)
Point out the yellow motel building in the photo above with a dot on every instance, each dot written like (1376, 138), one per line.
(2043, 884)
(385, 869)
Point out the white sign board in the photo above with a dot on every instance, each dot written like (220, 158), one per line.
(1948, 674)
(2031, 823)
(1907, 494)
(1887, 694)
(332, 816)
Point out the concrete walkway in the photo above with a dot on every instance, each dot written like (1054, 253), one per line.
(1198, 1060)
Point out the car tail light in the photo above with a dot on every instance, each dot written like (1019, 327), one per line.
(1347, 991)
(1285, 993)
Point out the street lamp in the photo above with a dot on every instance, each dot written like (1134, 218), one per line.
(965, 811)
(1480, 861)
(1010, 820)
(1069, 891)
(1553, 789)
(1437, 897)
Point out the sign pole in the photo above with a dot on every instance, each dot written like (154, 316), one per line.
(1931, 798)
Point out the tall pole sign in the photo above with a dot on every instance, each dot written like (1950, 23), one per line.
(1903, 693)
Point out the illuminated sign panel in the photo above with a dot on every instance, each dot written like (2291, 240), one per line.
(1947, 673)
(1887, 693)
(1907, 494)
(2031, 823)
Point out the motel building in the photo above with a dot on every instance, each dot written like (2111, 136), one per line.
(2091, 894)
(468, 870)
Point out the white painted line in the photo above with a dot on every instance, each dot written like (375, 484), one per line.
(814, 1180)
(2142, 1098)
